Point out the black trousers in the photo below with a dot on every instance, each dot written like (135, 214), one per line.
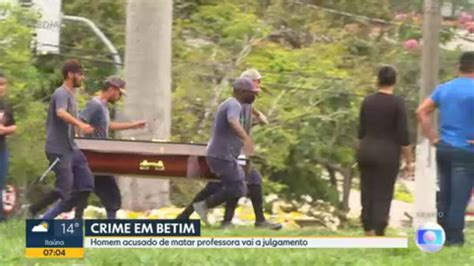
(377, 186)
(254, 193)
(232, 178)
(108, 191)
(378, 162)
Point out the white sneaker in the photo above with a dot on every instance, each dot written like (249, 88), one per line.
(201, 209)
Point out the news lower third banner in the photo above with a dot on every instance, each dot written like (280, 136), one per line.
(246, 242)
(187, 234)
(68, 238)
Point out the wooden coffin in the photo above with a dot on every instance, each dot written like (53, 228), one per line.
(146, 158)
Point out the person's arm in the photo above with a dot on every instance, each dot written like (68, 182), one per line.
(87, 114)
(409, 167)
(261, 117)
(233, 118)
(361, 130)
(60, 101)
(127, 125)
(255, 111)
(424, 113)
(403, 134)
(240, 131)
(68, 118)
(407, 155)
(9, 128)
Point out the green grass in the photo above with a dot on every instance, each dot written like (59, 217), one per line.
(13, 241)
(403, 194)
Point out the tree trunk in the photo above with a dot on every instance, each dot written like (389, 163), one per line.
(346, 189)
(332, 177)
(425, 175)
(148, 77)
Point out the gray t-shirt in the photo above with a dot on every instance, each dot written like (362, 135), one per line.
(97, 114)
(224, 143)
(59, 134)
(246, 117)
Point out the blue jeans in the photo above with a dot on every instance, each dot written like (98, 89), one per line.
(3, 178)
(456, 180)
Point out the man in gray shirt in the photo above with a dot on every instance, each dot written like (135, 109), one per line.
(71, 169)
(97, 114)
(253, 178)
(227, 140)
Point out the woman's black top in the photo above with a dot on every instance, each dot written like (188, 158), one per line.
(383, 128)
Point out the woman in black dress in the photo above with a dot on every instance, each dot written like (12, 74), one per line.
(383, 134)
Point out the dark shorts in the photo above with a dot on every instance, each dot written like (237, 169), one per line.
(107, 189)
(231, 174)
(72, 173)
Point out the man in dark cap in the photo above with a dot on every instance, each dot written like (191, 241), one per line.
(97, 114)
(228, 139)
(253, 177)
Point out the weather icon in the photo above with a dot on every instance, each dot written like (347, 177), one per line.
(40, 228)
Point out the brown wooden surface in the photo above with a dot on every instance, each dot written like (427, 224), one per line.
(124, 157)
(183, 166)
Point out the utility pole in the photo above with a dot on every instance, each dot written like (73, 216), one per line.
(425, 181)
(148, 77)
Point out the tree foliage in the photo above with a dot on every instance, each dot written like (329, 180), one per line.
(317, 67)
(16, 60)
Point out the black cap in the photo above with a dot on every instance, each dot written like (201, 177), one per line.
(244, 84)
(116, 82)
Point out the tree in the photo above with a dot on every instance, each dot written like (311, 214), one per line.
(318, 58)
(26, 147)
